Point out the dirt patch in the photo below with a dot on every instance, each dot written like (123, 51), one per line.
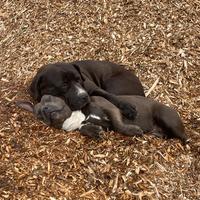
(158, 40)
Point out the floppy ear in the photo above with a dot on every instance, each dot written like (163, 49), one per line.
(26, 105)
(79, 71)
(34, 88)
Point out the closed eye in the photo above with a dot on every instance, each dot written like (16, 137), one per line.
(48, 90)
(65, 86)
(51, 91)
(39, 115)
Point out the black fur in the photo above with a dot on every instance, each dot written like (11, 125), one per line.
(100, 78)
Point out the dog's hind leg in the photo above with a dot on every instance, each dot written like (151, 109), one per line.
(170, 122)
(127, 109)
(119, 126)
(115, 117)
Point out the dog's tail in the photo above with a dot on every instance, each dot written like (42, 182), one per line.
(170, 122)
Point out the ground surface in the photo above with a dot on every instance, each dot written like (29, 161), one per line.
(159, 40)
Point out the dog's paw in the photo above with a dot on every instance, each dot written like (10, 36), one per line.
(133, 130)
(95, 131)
(128, 110)
(92, 131)
(138, 131)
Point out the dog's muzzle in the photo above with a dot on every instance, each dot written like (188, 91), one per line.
(50, 114)
(78, 99)
(78, 102)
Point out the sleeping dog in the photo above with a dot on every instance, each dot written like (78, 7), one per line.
(75, 82)
(100, 114)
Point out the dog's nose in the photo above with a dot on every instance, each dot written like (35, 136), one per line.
(47, 110)
(84, 98)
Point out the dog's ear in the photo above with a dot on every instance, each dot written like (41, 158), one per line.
(26, 105)
(79, 71)
(34, 89)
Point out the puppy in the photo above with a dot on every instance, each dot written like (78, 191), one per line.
(75, 82)
(100, 114)
(56, 113)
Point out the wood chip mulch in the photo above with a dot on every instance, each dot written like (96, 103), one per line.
(159, 40)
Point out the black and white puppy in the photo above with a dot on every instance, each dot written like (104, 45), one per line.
(75, 82)
(54, 112)
(100, 114)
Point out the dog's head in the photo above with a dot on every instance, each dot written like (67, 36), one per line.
(51, 110)
(62, 80)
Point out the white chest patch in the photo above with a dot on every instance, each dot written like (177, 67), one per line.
(74, 121)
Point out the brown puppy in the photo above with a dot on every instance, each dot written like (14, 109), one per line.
(152, 117)
(75, 82)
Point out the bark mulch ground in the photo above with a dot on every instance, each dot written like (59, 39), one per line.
(159, 40)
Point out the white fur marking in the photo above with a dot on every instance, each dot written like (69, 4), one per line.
(74, 121)
(94, 117)
(80, 90)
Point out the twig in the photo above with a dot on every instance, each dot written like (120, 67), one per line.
(152, 87)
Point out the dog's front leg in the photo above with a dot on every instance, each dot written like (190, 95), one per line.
(126, 108)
